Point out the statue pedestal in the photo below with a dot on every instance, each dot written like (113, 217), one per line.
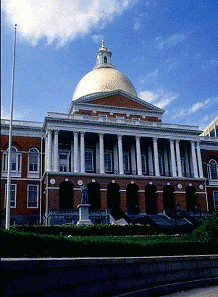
(84, 215)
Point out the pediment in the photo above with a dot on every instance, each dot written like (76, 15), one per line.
(119, 99)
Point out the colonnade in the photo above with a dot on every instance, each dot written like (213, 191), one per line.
(173, 156)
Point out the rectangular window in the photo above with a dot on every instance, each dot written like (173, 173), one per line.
(13, 195)
(32, 196)
(126, 163)
(215, 197)
(108, 161)
(63, 162)
(160, 159)
(144, 164)
(89, 160)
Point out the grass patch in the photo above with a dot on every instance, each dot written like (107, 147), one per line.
(16, 243)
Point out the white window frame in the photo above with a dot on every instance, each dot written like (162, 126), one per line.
(28, 191)
(15, 196)
(214, 200)
(111, 161)
(67, 153)
(144, 163)
(209, 169)
(33, 173)
(128, 159)
(92, 160)
(17, 171)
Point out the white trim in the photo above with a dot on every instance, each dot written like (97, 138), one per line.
(37, 202)
(216, 208)
(15, 198)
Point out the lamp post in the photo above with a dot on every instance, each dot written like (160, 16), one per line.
(8, 198)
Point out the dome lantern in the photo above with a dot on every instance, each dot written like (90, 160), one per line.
(103, 78)
(103, 57)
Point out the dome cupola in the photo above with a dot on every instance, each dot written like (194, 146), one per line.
(103, 78)
(103, 57)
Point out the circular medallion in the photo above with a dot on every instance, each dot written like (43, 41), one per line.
(52, 181)
(66, 179)
(113, 181)
(132, 182)
(201, 187)
(190, 185)
(168, 184)
(80, 182)
(150, 183)
(179, 186)
(93, 180)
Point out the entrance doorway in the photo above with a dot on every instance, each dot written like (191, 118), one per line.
(66, 195)
(150, 198)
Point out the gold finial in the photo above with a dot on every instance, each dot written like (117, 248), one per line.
(103, 47)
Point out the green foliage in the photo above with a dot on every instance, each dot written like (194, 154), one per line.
(96, 230)
(26, 244)
(208, 231)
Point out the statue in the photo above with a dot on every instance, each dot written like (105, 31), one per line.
(85, 194)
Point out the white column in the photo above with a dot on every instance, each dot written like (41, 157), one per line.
(120, 154)
(82, 152)
(46, 152)
(71, 151)
(194, 160)
(201, 174)
(150, 162)
(49, 155)
(101, 144)
(133, 159)
(166, 164)
(116, 161)
(173, 160)
(156, 161)
(178, 158)
(76, 152)
(138, 156)
(187, 168)
(56, 156)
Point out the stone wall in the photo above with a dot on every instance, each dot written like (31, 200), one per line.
(102, 276)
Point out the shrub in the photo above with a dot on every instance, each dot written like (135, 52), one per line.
(208, 231)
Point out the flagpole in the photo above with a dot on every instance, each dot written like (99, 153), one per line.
(8, 198)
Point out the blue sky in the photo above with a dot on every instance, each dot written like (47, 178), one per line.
(167, 48)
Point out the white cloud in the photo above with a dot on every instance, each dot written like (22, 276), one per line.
(196, 109)
(173, 40)
(97, 38)
(198, 105)
(58, 20)
(161, 98)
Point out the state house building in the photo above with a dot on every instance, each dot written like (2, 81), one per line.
(116, 144)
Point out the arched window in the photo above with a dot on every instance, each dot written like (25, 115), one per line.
(105, 59)
(132, 199)
(213, 169)
(33, 160)
(15, 161)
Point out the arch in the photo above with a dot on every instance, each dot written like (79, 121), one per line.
(168, 197)
(132, 199)
(150, 198)
(33, 159)
(66, 195)
(94, 195)
(213, 169)
(105, 59)
(190, 198)
(113, 199)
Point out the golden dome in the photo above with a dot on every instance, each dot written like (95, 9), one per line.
(103, 80)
